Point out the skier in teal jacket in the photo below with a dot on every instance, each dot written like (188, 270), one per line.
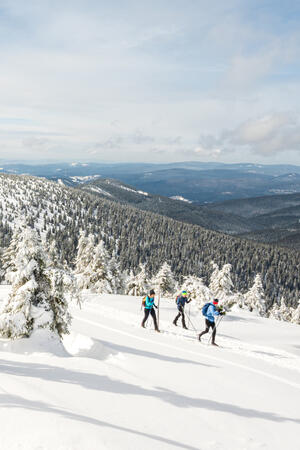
(149, 309)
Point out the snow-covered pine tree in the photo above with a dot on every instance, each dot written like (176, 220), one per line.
(117, 277)
(280, 312)
(295, 314)
(34, 302)
(130, 283)
(164, 281)
(61, 275)
(83, 257)
(221, 285)
(59, 304)
(138, 284)
(196, 289)
(273, 312)
(83, 262)
(98, 275)
(96, 269)
(8, 268)
(255, 297)
(284, 311)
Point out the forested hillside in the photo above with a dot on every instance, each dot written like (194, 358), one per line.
(140, 236)
(176, 208)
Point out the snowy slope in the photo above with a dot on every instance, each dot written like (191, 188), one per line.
(123, 387)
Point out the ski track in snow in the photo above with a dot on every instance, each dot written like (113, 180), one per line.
(258, 352)
(273, 356)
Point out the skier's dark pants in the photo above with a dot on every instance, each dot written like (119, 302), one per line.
(209, 325)
(180, 313)
(152, 312)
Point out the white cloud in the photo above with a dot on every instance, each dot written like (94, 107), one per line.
(145, 80)
(212, 153)
(276, 133)
(267, 137)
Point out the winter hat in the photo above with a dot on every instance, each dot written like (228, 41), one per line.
(152, 292)
(215, 301)
(183, 293)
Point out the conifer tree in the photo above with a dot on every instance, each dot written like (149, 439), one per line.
(9, 255)
(164, 281)
(196, 289)
(137, 284)
(61, 276)
(221, 284)
(284, 311)
(35, 302)
(255, 297)
(116, 275)
(273, 312)
(59, 304)
(295, 314)
(281, 312)
(130, 283)
(82, 257)
(99, 271)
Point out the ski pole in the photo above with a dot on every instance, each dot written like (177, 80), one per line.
(195, 330)
(189, 319)
(217, 324)
(158, 303)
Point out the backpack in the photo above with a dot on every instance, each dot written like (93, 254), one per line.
(205, 308)
(144, 301)
(176, 299)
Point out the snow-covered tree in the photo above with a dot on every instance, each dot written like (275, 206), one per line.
(196, 289)
(281, 312)
(239, 299)
(221, 285)
(137, 284)
(84, 248)
(164, 281)
(62, 276)
(284, 311)
(255, 297)
(35, 301)
(96, 275)
(59, 304)
(130, 283)
(116, 276)
(295, 314)
(96, 269)
(273, 312)
(8, 259)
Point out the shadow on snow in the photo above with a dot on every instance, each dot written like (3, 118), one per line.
(109, 385)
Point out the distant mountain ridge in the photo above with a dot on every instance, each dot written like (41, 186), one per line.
(176, 209)
(271, 219)
(196, 181)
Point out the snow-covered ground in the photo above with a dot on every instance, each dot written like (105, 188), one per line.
(118, 386)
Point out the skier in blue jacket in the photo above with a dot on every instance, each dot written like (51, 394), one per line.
(211, 312)
(181, 300)
(149, 309)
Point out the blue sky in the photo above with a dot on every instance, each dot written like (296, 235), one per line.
(166, 80)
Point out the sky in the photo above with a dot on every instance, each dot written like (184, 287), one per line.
(159, 81)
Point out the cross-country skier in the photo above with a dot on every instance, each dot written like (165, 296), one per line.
(211, 311)
(181, 300)
(149, 309)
